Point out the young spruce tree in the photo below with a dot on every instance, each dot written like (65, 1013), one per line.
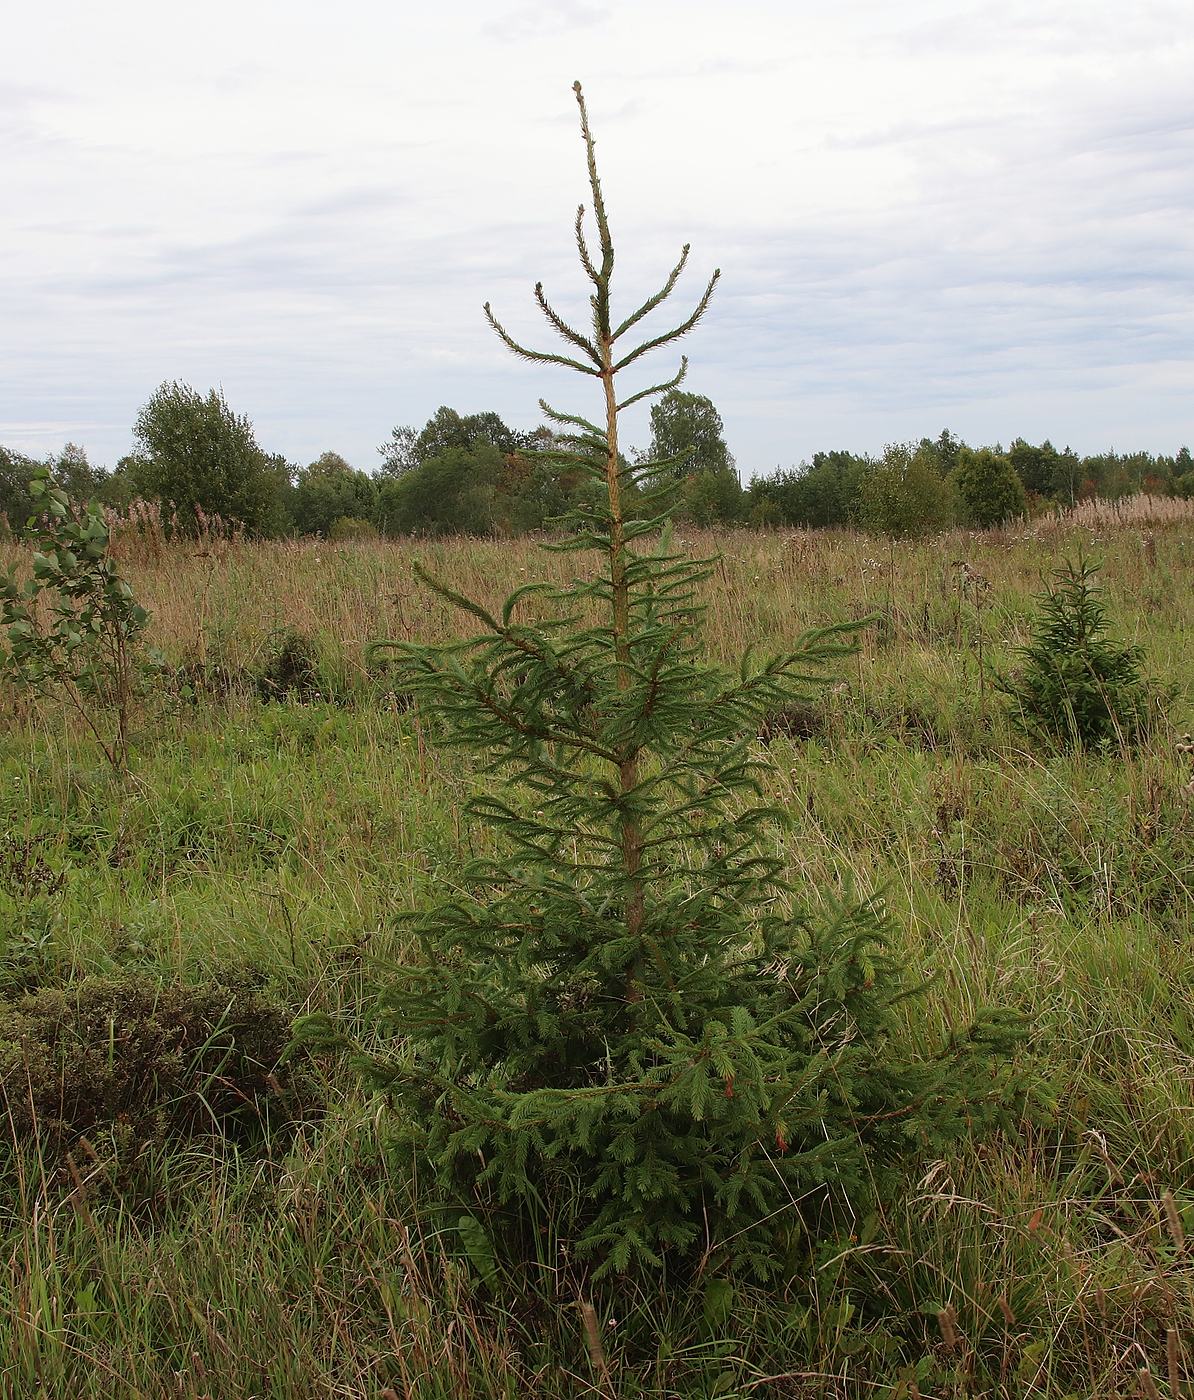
(1078, 687)
(623, 1024)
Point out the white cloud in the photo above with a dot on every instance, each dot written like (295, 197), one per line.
(971, 214)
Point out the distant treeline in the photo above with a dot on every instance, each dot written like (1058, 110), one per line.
(472, 474)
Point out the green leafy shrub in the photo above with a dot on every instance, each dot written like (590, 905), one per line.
(146, 1062)
(352, 529)
(904, 494)
(1076, 685)
(624, 1024)
(73, 627)
(710, 498)
(451, 493)
(991, 492)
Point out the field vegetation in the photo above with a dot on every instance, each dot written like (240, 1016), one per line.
(190, 1212)
(582, 1005)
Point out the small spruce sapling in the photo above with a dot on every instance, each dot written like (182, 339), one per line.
(1077, 686)
(620, 1020)
(72, 627)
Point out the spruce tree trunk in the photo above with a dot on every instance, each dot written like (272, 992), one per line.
(632, 841)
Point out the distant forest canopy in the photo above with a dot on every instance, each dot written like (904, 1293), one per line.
(472, 474)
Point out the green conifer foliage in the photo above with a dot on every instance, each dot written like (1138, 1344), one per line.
(1078, 687)
(621, 1026)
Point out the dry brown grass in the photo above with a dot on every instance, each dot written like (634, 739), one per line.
(1141, 509)
(765, 590)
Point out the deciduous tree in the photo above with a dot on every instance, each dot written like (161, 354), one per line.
(687, 435)
(196, 454)
(328, 490)
(990, 491)
(904, 493)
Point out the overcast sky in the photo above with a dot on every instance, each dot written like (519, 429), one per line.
(927, 214)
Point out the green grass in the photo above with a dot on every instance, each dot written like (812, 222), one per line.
(1054, 1262)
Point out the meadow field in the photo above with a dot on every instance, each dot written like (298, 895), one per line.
(284, 805)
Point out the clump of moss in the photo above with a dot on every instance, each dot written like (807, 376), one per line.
(140, 1062)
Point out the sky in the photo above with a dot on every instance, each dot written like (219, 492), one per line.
(937, 213)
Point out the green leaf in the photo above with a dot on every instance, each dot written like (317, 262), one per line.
(479, 1248)
(718, 1303)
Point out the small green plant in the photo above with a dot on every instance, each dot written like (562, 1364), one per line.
(30, 909)
(290, 668)
(625, 1032)
(73, 627)
(1077, 686)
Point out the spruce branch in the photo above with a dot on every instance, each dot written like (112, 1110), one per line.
(656, 466)
(557, 417)
(535, 356)
(673, 383)
(669, 336)
(512, 720)
(582, 246)
(652, 302)
(459, 600)
(574, 337)
(607, 246)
